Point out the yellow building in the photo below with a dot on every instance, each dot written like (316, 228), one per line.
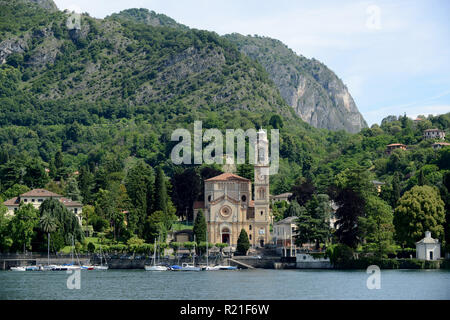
(228, 206)
(37, 196)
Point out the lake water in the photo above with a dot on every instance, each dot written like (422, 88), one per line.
(259, 284)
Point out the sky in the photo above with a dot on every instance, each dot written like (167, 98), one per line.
(394, 56)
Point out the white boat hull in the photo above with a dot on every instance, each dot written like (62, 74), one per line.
(101, 267)
(17, 269)
(209, 268)
(155, 268)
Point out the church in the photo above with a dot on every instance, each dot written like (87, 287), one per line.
(229, 206)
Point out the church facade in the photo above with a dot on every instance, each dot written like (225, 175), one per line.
(229, 205)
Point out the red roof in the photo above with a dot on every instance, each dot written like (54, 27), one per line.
(44, 194)
(228, 177)
(396, 145)
(12, 202)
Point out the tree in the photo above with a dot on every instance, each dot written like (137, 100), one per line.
(303, 191)
(243, 244)
(72, 190)
(352, 187)
(5, 239)
(15, 191)
(293, 209)
(106, 208)
(22, 225)
(186, 189)
(377, 228)
(420, 209)
(200, 227)
(48, 224)
(139, 183)
(161, 197)
(35, 176)
(155, 226)
(314, 221)
(68, 224)
(86, 184)
(396, 189)
(276, 121)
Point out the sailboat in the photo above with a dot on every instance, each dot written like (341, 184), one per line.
(155, 267)
(208, 267)
(226, 267)
(17, 269)
(189, 266)
(101, 266)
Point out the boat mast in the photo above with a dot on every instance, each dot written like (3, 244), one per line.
(71, 250)
(207, 253)
(154, 253)
(48, 249)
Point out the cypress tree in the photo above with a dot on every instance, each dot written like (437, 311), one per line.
(243, 243)
(200, 227)
(161, 197)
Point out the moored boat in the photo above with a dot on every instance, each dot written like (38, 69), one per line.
(17, 269)
(189, 267)
(155, 267)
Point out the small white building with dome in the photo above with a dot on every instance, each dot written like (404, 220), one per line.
(428, 248)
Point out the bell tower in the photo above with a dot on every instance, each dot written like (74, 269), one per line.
(262, 191)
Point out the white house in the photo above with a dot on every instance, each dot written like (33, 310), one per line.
(281, 197)
(284, 232)
(428, 248)
(434, 134)
(37, 196)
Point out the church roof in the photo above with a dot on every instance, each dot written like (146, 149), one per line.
(228, 177)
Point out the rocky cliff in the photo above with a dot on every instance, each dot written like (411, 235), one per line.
(318, 96)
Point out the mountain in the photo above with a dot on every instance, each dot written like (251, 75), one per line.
(117, 61)
(318, 96)
(147, 17)
(46, 4)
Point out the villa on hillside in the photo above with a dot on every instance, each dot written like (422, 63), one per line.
(440, 145)
(281, 197)
(37, 196)
(395, 146)
(434, 134)
(378, 185)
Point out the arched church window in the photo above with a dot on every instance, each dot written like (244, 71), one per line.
(250, 227)
(262, 193)
(244, 198)
(209, 198)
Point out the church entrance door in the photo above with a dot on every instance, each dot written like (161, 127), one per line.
(226, 236)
